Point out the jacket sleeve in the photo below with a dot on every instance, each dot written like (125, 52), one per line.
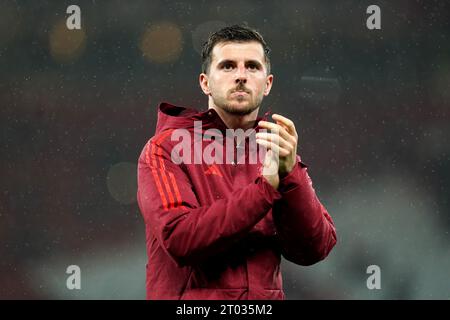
(306, 230)
(187, 231)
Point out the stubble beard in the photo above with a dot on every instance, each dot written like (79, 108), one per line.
(237, 110)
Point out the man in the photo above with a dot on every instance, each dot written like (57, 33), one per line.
(218, 230)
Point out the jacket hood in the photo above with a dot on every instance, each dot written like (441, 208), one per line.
(176, 117)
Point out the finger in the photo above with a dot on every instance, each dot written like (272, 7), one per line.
(276, 128)
(274, 147)
(272, 137)
(273, 127)
(287, 122)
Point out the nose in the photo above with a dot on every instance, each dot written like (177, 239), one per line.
(241, 74)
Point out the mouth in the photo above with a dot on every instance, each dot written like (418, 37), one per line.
(239, 93)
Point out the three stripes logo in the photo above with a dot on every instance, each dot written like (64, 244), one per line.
(164, 179)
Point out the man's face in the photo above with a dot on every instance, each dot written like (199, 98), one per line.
(237, 79)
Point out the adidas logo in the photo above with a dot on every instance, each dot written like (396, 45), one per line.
(213, 169)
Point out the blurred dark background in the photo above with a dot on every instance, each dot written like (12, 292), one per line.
(372, 108)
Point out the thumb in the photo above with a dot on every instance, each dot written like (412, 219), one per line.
(270, 166)
(268, 158)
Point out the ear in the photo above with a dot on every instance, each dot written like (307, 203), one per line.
(204, 84)
(269, 81)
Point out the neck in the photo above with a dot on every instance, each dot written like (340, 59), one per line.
(234, 121)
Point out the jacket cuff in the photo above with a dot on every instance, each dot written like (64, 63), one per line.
(270, 194)
(294, 179)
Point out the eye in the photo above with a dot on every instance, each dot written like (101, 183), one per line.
(253, 66)
(227, 66)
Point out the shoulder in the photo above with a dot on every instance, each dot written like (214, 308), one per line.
(162, 138)
(160, 144)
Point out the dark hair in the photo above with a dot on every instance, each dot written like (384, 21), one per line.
(234, 33)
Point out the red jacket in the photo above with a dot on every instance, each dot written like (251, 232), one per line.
(218, 231)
